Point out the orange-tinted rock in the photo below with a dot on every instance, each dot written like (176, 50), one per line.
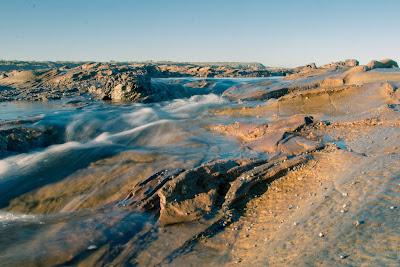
(276, 137)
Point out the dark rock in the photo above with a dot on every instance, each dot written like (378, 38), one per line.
(130, 85)
(385, 63)
(24, 139)
(311, 66)
(144, 196)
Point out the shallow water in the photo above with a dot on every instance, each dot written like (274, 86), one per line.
(170, 133)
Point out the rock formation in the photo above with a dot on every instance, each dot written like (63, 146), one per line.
(19, 139)
(385, 63)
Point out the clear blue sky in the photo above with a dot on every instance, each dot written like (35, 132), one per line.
(276, 33)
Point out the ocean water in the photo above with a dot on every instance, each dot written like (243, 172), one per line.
(51, 210)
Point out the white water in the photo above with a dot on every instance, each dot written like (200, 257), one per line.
(173, 131)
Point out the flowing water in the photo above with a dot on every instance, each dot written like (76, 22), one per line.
(58, 202)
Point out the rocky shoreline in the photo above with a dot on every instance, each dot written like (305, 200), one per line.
(109, 81)
(321, 186)
(132, 82)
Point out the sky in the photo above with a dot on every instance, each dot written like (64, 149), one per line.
(275, 33)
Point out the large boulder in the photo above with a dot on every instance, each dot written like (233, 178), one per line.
(126, 85)
(351, 62)
(356, 69)
(385, 63)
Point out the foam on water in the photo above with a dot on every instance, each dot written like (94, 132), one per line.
(142, 115)
(8, 217)
(166, 131)
(15, 164)
(129, 126)
(189, 107)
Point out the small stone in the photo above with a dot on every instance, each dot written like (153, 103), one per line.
(295, 223)
(321, 234)
(344, 194)
(343, 256)
(358, 223)
(392, 207)
(92, 247)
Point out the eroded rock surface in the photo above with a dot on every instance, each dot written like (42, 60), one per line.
(23, 139)
(180, 196)
(104, 81)
(277, 137)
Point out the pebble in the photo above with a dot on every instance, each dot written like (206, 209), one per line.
(92, 247)
(344, 194)
(343, 256)
(321, 234)
(392, 207)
